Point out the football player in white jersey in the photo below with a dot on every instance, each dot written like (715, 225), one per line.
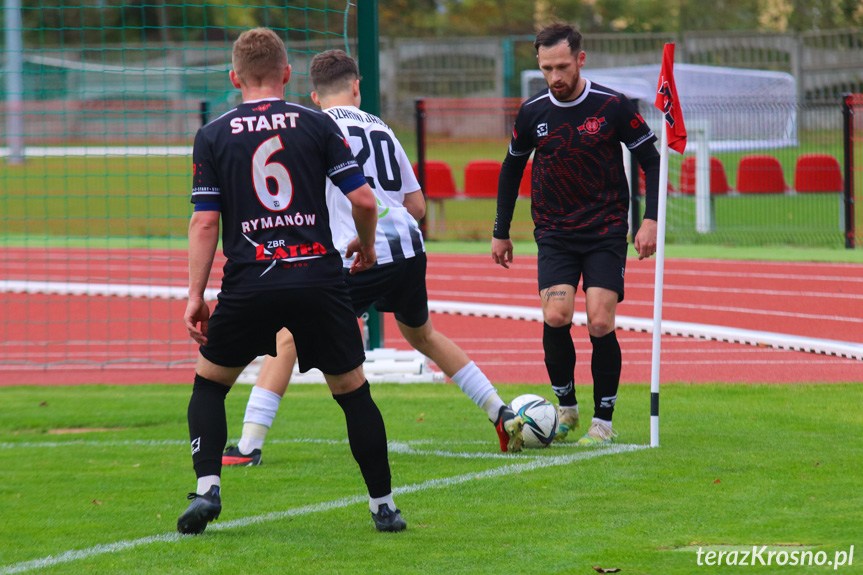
(396, 283)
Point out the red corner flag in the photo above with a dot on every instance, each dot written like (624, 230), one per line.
(668, 102)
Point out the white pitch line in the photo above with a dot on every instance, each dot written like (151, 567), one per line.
(93, 443)
(69, 556)
(512, 469)
(402, 447)
(405, 449)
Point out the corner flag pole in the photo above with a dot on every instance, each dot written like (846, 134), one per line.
(657, 290)
(673, 136)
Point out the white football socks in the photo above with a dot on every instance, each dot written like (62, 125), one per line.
(492, 406)
(479, 389)
(260, 413)
(376, 502)
(253, 437)
(207, 481)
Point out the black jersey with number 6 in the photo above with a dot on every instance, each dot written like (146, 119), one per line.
(264, 165)
(578, 184)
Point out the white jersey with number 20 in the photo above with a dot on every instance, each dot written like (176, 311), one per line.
(390, 175)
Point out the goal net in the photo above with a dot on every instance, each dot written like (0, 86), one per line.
(100, 105)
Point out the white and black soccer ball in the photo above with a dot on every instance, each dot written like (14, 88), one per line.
(540, 419)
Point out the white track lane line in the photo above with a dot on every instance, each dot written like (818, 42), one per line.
(645, 350)
(727, 275)
(744, 310)
(511, 469)
(806, 268)
(176, 266)
(720, 362)
(650, 286)
(665, 305)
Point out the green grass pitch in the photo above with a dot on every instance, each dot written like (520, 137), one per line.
(102, 471)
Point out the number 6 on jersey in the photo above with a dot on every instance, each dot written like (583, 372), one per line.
(263, 170)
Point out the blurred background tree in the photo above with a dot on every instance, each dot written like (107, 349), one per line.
(79, 22)
(400, 18)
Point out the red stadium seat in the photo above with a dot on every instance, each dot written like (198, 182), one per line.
(524, 187)
(439, 186)
(817, 173)
(439, 181)
(718, 180)
(760, 174)
(480, 178)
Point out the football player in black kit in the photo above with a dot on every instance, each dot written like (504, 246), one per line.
(262, 168)
(579, 204)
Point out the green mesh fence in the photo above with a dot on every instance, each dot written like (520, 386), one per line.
(101, 101)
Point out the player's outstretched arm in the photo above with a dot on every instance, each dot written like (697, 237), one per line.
(364, 210)
(203, 240)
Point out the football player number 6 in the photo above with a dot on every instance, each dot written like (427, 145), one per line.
(262, 170)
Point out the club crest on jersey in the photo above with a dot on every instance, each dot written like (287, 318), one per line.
(592, 125)
(542, 130)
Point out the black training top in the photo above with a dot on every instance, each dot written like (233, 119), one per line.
(578, 183)
(264, 165)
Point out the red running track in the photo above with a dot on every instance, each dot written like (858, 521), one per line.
(144, 340)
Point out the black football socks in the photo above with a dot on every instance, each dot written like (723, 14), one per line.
(368, 438)
(560, 362)
(605, 366)
(208, 427)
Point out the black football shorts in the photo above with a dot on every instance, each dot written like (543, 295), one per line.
(600, 262)
(398, 287)
(244, 326)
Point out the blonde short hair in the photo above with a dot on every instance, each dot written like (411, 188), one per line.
(259, 56)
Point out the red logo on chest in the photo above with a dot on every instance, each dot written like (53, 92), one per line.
(592, 125)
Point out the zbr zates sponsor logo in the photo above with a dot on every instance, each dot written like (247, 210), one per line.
(276, 251)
